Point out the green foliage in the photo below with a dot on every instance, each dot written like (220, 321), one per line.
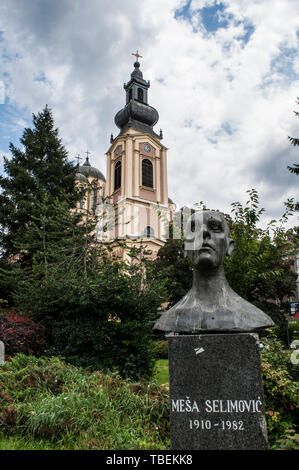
(68, 408)
(160, 349)
(37, 171)
(7, 283)
(161, 376)
(175, 268)
(295, 168)
(95, 309)
(260, 267)
(54, 241)
(286, 332)
(96, 313)
(280, 378)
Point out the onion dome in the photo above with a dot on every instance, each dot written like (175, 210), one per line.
(87, 170)
(80, 177)
(137, 113)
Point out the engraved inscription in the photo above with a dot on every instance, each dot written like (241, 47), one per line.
(188, 405)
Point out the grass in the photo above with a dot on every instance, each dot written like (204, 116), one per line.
(161, 374)
(46, 404)
(24, 443)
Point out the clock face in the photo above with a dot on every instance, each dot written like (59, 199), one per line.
(147, 147)
(117, 151)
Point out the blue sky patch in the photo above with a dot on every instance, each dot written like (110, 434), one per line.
(213, 18)
(281, 68)
(12, 124)
(184, 11)
(40, 78)
(284, 62)
(227, 127)
(249, 30)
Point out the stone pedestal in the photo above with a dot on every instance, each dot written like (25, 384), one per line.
(216, 392)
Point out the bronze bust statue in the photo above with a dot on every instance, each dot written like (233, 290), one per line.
(210, 305)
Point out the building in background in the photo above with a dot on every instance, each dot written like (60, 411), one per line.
(136, 183)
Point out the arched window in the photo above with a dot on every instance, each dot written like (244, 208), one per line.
(130, 94)
(140, 94)
(147, 173)
(149, 232)
(117, 175)
(94, 197)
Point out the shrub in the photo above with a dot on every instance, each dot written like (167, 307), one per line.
(288, 332)
(98, 319)
(160, 349)
(281, 392)
(20, 334)
(122, 347)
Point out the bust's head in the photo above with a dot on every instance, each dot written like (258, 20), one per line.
(210, 304)
(207, 239)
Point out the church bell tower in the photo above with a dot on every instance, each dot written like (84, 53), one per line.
(137, 168)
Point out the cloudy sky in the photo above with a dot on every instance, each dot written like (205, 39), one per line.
(224, 78)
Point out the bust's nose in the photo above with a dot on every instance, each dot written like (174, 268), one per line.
(203, 235)
(205, 232)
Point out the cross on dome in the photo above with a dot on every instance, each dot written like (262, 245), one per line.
(137, 55)
(78, 159)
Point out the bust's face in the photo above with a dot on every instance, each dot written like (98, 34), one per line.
(207, 239)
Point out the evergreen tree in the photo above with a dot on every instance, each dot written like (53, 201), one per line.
(55, 236)
(294, 141)
(37, 172)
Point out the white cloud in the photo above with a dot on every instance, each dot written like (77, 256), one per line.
(225, 104)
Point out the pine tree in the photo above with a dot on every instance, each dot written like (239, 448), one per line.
(294, 141)
(55, 237)
(294, 169)
(40, 169)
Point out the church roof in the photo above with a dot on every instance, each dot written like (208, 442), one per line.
(81, 177)
(87, 170)
(137, 113)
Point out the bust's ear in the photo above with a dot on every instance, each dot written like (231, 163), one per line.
(230, 247)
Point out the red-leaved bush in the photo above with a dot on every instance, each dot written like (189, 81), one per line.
(20, 334)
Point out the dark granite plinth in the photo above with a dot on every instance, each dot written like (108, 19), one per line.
(216, 392)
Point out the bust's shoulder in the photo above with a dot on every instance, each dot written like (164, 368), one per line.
(246, 315)
(231, 313)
